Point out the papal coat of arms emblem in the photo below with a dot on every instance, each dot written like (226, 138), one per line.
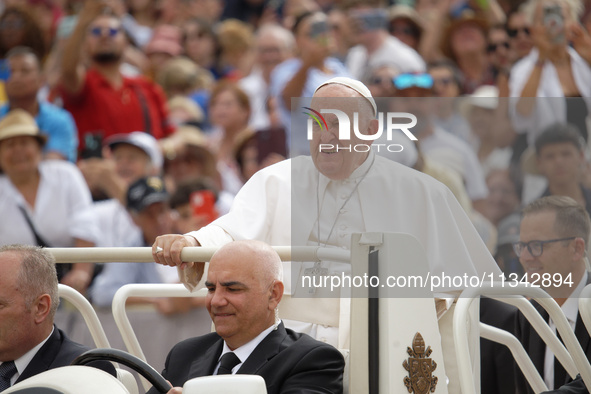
(419, 367)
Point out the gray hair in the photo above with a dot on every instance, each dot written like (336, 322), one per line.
(285, 36)
(37, 274)
(575, 8)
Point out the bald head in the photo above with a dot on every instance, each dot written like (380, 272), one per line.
(244, 288)
(262, 259)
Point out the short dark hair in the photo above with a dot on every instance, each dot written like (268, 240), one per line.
(182, 194)
(455, 70)
(558, 133)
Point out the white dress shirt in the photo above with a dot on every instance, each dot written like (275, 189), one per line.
(23, 361)
(244, 351)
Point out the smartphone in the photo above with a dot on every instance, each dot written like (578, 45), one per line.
(554, 23)
(269, 141)
(318, 29)
(203, 204)
(372, 20)
(93, 145)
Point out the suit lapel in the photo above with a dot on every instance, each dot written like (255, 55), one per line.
(205, 363)
(265, 351)
(41, 362)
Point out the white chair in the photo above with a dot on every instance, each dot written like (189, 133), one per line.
(226, 384)
(70, 380)
(573, 359)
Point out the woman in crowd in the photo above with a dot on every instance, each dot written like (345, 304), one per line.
(553, 80)
(45, 203)
(229, 111)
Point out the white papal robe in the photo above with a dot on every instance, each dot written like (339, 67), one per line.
(279, 205)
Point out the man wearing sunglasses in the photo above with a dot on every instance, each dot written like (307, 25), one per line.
(552, 250)
(101, 99)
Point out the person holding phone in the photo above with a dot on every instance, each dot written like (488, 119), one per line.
(552, 69)
(299, 76)
(369, 21)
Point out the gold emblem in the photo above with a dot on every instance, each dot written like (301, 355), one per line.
(419, 367)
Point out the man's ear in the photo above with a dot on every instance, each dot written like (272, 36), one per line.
(41, 308)
(580, 248)
(276, 293)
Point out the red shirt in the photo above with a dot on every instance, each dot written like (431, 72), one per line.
(99, 108)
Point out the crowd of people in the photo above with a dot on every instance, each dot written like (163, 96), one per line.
(125, 120)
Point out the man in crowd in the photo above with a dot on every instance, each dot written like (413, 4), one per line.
(102, 100)
(22, 87)
(29, 341)
(553, 239)
(329, 190)
(245, 286)
(147, 208)
(560, 158)
(376, 46)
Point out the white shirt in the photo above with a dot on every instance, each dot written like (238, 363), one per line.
(63, 208)
(392, 52)
(244, 351)
(570, 308)
(552, 107)
(23, 361)
(255, 86)
(474, 177)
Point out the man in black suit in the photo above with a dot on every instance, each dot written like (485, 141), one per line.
(553, 236)
(29, 341)
(244, 283)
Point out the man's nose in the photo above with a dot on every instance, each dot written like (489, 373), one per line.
(218, 298)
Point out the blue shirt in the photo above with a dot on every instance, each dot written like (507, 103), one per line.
(59, 126)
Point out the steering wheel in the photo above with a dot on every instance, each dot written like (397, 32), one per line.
(133, 362)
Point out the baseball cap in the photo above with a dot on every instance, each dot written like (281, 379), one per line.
(141, 140)
(145, 192)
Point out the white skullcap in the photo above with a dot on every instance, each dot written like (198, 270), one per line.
(354, 84)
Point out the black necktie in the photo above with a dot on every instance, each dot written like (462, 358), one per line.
(227, 362)
(7, 371)
(559, 372)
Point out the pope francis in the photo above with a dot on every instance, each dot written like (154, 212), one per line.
(339, 190)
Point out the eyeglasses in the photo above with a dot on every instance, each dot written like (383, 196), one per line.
(98, 31)
(514, 32)
(535, 248)
(405, 81)
(493, 47)
(377, 80)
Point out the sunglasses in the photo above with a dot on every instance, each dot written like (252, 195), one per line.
(405, 81)
(514, 32)
(494, 47)
(98, 31)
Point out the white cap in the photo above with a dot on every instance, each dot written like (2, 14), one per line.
(141, 140)
(354, 84)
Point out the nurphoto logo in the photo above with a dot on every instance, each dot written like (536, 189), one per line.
(316, 117)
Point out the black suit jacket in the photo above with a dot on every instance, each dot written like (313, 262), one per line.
(59, 351)
(288, 361)
(536, 348)
(575, 387)
(497, 365)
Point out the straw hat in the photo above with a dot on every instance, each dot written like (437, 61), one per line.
(19, 123)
